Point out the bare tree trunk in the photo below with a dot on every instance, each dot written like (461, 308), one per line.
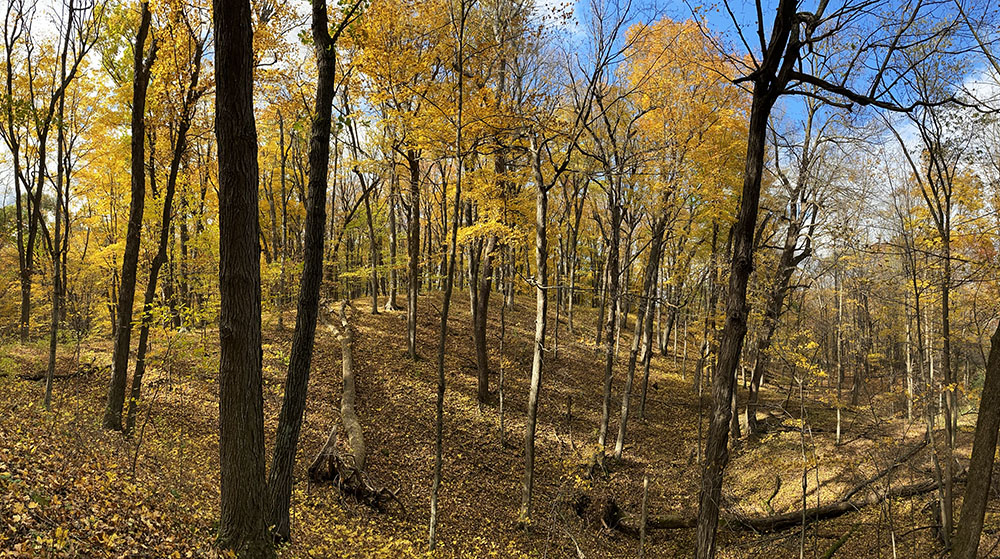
(58, 247)
(413, 248)
(541, 307)
(611, 338)
(297, 380)
(243, 505)
(977, 489)
(480, 320)
(734, 331)
(604, 304)
(348, 398)
(840, 351)
(450, 281)
(142, 64)
(392, 304)
(643, 322)
(772, 314)
(372, 251)
(647, 357)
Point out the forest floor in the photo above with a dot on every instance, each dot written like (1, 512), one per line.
(70, 489)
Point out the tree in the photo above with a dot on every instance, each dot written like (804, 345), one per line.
(800, 215)
(458, 23)
(297, 381)
(243, 510)
(78, 35)
(142, 68)
(796, 33)
(191, 49)
(552, 142)
(29, 118)
(936, 171)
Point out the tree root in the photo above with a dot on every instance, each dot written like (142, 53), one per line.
(330, 465)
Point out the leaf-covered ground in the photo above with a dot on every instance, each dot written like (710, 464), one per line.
(70, 489)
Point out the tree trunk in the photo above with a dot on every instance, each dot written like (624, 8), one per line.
(611, 336)
(541, 307)
(372, 251)
(643, 315)
(280, 478)
(413, 248)
(449, 282)
(243, 503)
(180, 146)
(130, 260)
(723, 383)
(480, 321)
(772, 314)
(950, 408)
(58, 247)
(392, 304)
(647, 347)
(977, 489)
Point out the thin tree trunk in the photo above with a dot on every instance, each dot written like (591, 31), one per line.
(643, 315)
(180, 147)
(449, 283)
(480, 321)
(611, 337)
(57, 240)
(413, 248)
(392, 304)
(373, 251)
(541, 307)
(297, 380)
(142, 64)
(772, 314)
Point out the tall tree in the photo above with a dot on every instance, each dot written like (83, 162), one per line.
(801, 211)
(141, 69)
(458, 22)
(297, 381)
(776, 70)
(190, 95)
(29, 117)
(243, 509)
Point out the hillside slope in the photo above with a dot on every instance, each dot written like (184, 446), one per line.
(68, 489)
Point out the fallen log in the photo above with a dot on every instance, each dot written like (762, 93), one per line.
(832, 510)
(777, 522)
(88, 369)
(895, 464)
(347, 470)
